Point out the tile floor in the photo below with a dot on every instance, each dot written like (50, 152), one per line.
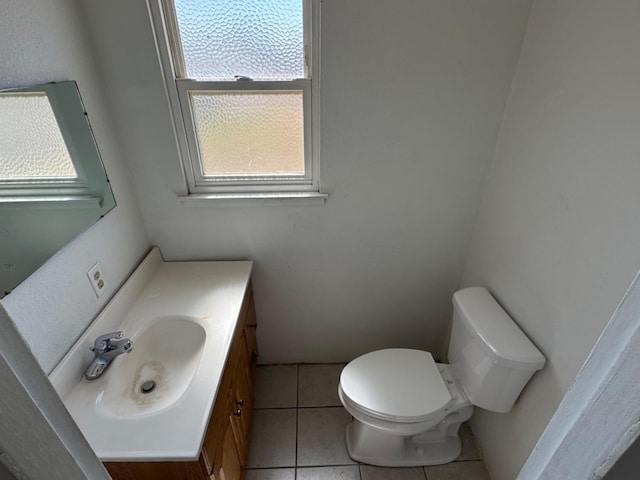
(298, 433)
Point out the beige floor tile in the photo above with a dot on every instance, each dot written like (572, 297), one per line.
(270, 474)
(318, 385)
(276, 386)
(319, 429)
(458, 471)
(329, 473)
(381, 473)
(273, 439)
(321, 436)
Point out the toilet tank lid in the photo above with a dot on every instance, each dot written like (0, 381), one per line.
(497, 331)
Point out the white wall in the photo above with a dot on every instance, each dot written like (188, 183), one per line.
(412, 96)
(558, 231)
(44, 42)
(38, 437)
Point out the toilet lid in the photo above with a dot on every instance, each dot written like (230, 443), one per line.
(396, 384)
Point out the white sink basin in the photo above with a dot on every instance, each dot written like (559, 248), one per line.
(180, 317)
(157, 372)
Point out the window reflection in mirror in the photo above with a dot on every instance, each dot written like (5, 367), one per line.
(52, 181)
(32, 149)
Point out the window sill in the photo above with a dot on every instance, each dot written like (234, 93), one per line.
(257, 199)
(51, 201)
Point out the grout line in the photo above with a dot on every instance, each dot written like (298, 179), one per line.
(289, 408)
(298, 386)
(332, 465)
(298, 364)
(424, 472)
(271, 468)
(323, 406)
(295, 472)
(293, 407)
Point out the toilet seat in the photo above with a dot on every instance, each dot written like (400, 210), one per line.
(396, 385)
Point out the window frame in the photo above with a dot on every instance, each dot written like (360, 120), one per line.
(177, 89)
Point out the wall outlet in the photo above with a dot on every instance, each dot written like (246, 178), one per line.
(97, 280)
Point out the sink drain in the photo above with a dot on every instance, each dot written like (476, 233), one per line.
(148, 386)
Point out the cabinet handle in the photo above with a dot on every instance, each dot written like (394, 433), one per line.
(238, 413)
(240, 402)
(252, 325)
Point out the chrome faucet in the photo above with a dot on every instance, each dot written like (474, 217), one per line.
(106, 348)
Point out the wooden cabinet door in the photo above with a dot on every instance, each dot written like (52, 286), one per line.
(230, 467)
(243, 414)
(214, 437)
(157, 470)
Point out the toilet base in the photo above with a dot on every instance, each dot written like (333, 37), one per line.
(375, 447)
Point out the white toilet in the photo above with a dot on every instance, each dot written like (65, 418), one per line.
(407, 408)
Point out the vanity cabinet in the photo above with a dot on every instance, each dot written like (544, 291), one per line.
(226, 440)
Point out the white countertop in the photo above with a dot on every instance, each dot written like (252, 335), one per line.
(210, 294)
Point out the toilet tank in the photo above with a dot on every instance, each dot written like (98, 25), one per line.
(491, 358)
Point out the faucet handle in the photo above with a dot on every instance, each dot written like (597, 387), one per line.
(102, 342)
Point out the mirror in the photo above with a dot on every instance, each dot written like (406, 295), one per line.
(53, 185)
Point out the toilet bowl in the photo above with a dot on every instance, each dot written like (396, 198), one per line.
(407, 409)
(417, 428)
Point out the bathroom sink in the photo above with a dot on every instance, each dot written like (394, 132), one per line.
(154, 403)
(158, 370)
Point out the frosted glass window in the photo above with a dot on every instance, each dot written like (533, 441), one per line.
(243, 136)
(31, 144)
(249, 133)
(259, 39)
